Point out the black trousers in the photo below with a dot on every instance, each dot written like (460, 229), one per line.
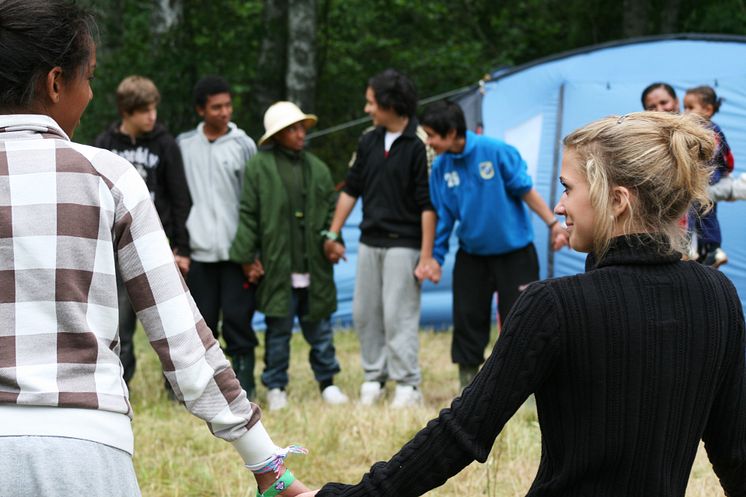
(222, 286)
(127, 323)
(476, 278)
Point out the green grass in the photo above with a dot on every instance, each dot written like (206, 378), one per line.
(176, 456)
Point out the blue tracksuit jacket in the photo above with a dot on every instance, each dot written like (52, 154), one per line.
(482, 189)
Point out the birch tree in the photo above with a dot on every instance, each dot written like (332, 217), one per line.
(300, 76)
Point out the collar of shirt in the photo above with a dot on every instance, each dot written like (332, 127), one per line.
(33, 123)
(642, 248)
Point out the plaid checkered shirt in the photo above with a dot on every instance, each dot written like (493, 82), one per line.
(70, 217)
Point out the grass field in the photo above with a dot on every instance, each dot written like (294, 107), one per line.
(176, 456)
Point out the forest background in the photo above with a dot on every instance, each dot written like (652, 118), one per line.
(320, 53)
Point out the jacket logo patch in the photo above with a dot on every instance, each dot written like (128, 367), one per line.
(486, 170)
(452, 179)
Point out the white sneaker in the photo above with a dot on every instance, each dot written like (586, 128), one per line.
(739, 188)
(277, 399)
(406, 396)
(720, 258)
(370, 393)
(334, 396)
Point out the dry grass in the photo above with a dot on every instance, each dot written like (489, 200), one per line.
(176, 456)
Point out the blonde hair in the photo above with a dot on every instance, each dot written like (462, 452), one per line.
(663, 159)
(136, 93)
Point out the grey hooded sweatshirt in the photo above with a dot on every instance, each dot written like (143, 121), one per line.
(214, 172)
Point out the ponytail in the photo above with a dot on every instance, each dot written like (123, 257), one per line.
(663, 159)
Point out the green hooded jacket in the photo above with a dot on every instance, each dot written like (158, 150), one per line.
(264, 231)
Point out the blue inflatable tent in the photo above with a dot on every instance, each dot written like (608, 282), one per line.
(534, 105)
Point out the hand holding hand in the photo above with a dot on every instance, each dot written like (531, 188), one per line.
(334, 251)
(183, 263)
(559, 236)
(256, 271)
(428, 268)
(296, 488)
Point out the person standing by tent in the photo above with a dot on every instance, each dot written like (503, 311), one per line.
(215, 156)
(483, 184)
(632, 363)
(390, 174)
(147, 144)
(661, 97)
(704, 102)
(287, 202)
(73, 216)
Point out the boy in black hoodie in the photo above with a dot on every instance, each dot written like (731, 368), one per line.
(149, 146)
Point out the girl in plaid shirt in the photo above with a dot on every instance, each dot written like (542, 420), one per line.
(71, 217)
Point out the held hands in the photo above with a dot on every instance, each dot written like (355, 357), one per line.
(296, 489)
(428, 268)
(253, 271)
(559, 236)
(334, 251)
(182, 263)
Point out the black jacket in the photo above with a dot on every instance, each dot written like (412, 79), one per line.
(632, 364)
(394, 188)
(157, 158)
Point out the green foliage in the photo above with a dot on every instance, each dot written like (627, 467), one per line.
(441, 44)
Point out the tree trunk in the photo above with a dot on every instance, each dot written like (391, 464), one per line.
(166, 14)
(300, 77)
(635, 18)
(269, 85)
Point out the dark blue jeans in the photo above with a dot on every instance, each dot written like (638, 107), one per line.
(318, 334)
(707, 226)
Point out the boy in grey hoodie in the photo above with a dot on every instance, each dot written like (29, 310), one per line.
(215, 156)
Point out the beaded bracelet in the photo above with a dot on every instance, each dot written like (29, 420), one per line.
(278, 486)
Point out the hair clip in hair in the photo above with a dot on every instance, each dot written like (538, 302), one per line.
(621, 118)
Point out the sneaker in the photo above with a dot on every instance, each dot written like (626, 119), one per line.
(277, 399)
(406, 396)
(739, 188)
(370, 393)
(720, 258)
(334, 396)
(715, 258)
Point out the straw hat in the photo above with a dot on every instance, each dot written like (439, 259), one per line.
(280, 115)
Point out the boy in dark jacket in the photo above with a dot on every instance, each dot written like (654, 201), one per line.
(395, 253)
(148, 145)
(288, 200)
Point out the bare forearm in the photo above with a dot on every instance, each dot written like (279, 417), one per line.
(429, 220)
(344, 207)
(537, 204)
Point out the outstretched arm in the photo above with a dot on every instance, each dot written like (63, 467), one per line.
(725, 434)
(536, 203)
(335, 250)
(428, 267)
(522, 359)
(191, 358)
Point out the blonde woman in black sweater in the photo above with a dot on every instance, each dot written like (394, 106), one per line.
(632, 363)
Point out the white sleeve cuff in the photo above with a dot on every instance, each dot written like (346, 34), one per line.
(255, 446)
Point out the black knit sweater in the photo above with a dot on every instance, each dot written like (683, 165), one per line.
(632, 364)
